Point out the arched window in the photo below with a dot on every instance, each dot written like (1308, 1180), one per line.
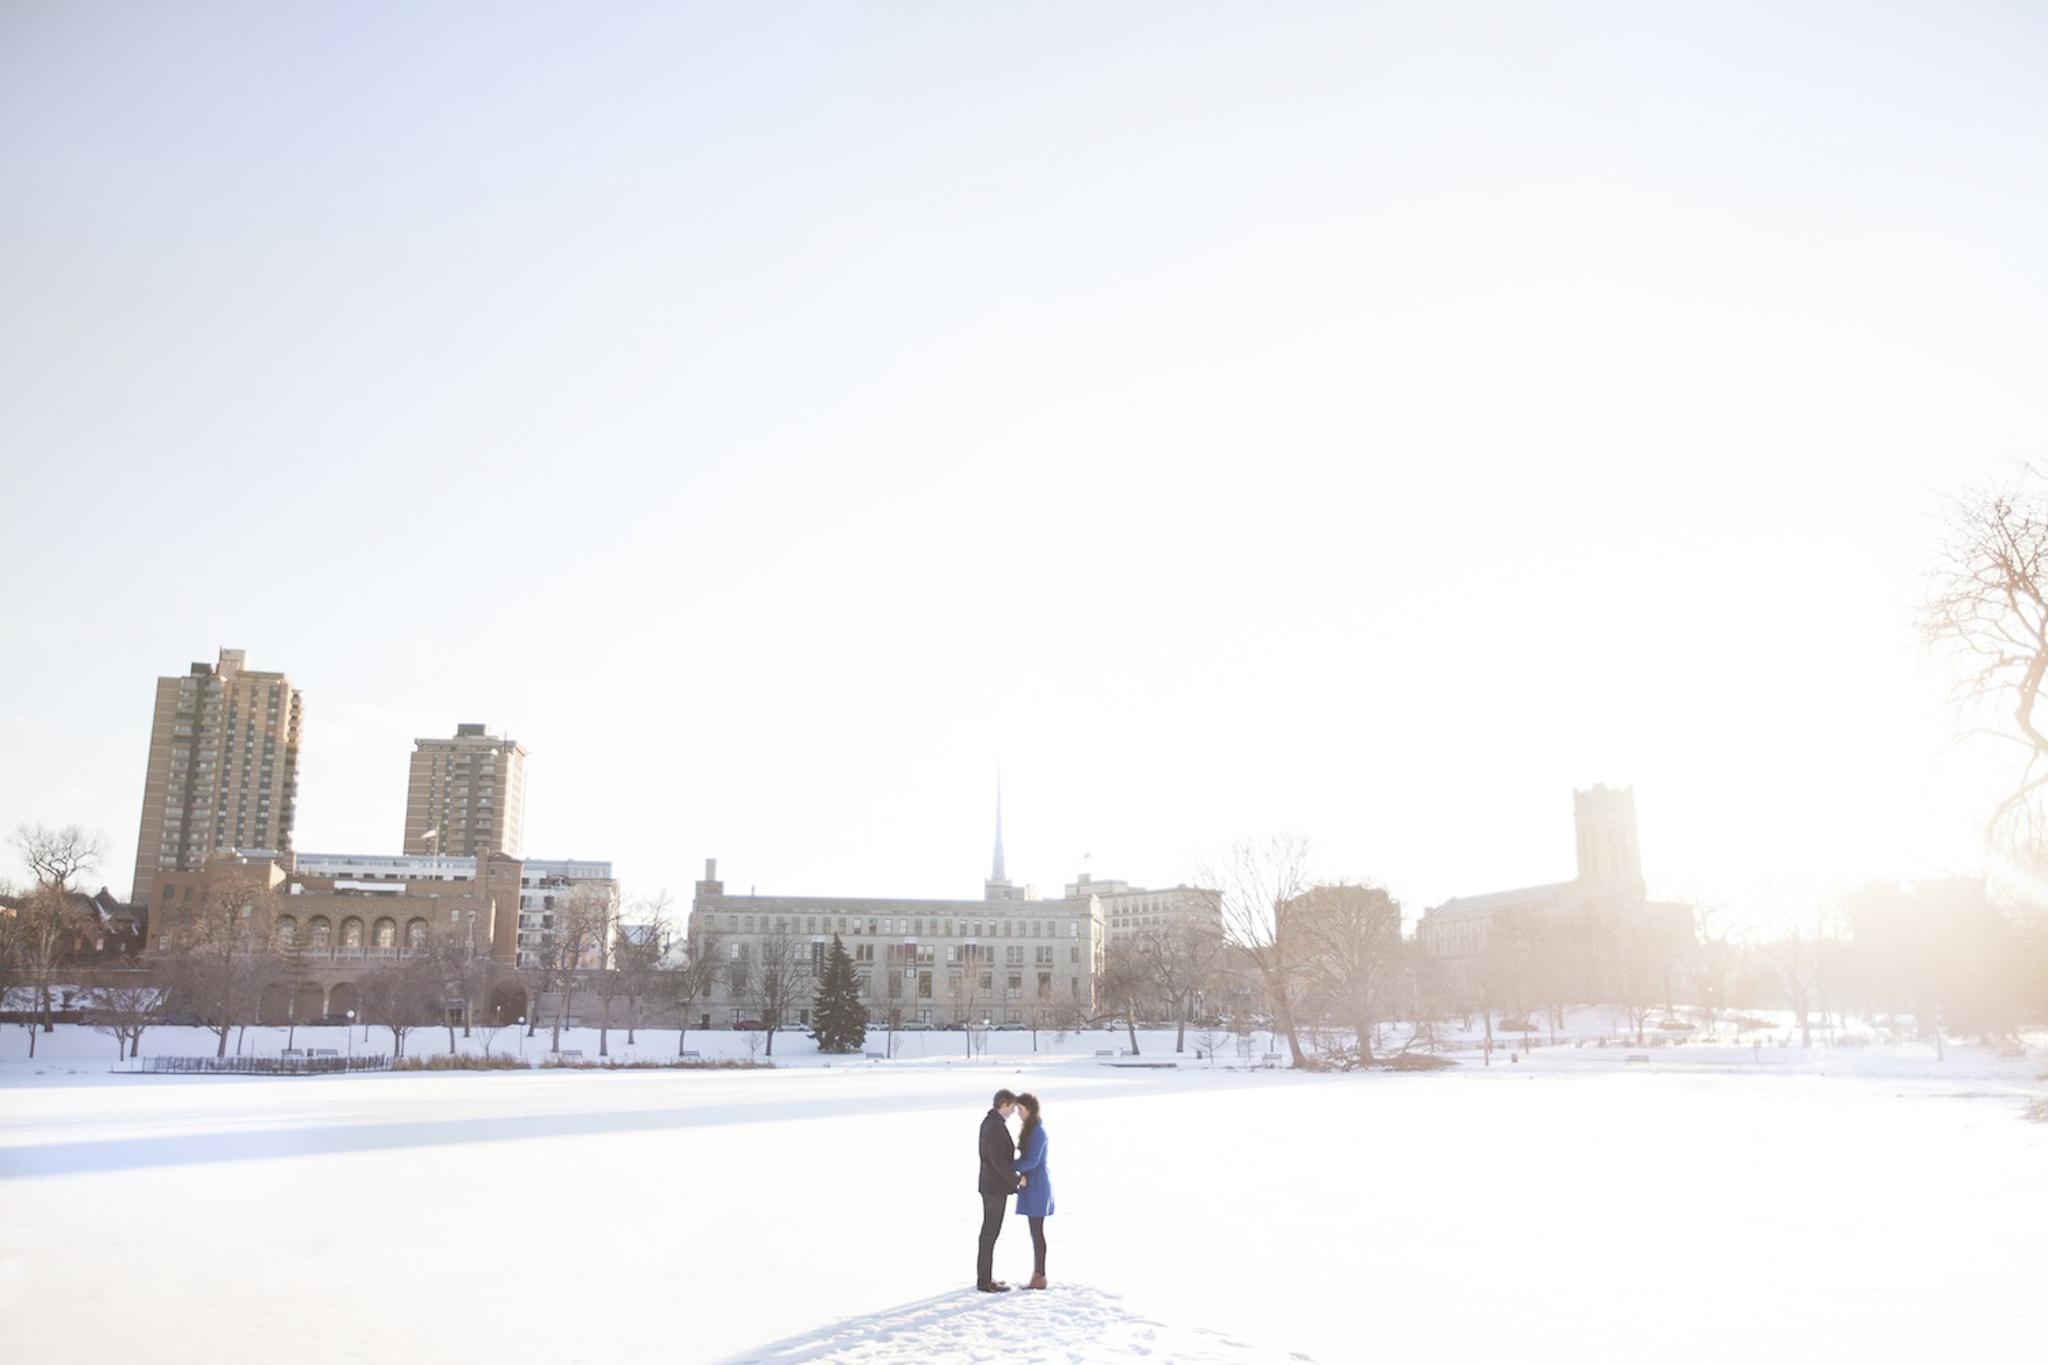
(287, 930)
(351, 932)
(320, 931)
(385, 935)
(416, 933)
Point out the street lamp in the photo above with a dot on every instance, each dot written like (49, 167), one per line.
(522, 1039)
(351, 1035)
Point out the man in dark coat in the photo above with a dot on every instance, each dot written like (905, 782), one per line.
(997, 1184)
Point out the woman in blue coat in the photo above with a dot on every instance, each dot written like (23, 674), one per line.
(1034, 1200)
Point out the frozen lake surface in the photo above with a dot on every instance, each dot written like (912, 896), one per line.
(1866, 1205)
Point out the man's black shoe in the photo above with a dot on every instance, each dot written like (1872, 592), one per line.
(993, 1287)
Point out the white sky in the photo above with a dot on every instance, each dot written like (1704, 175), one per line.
(1368, 421)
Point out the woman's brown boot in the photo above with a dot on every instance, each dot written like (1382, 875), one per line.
(1037, 1282)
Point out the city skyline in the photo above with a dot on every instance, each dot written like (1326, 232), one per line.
(1370, 423)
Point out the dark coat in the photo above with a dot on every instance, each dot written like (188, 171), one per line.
(1035, 1199)
(996, 1153)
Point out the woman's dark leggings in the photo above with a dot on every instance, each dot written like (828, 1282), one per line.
(1038, 1245)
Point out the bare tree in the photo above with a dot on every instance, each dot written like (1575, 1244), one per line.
(602, 977)
(1989, 610)
(10, 951)
(51, 921)
(571, 942)
(1803, 939)
(122, 1003)
(468, 969)
(1708, 962)
(703, 966)
(1639, 960)
(487, 1029)
(55, 856)
(464, 974)
(1181, 959)
(404, 995)
(637, 954)
(977, 988)
(1125, 979)
(216, 950)
(1430, 992)
(48, 925)
(777, 982)
(1347, 941)
(1255, 879)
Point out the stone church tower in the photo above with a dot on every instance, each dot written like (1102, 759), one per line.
(1609, 857)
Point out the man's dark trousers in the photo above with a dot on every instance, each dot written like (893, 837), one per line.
(997, 1182)
(991, 1228)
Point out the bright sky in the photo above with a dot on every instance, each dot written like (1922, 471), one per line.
(1367, 421)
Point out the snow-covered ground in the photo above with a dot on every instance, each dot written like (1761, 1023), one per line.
(1723, 1204)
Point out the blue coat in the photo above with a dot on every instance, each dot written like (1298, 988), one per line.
(1035, 1199)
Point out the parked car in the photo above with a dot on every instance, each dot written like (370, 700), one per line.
(327, 1020)
(183, 1018)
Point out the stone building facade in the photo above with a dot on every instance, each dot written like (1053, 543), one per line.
(1131, 911)
(332, 918)
(1009, 958)
(1601, 914)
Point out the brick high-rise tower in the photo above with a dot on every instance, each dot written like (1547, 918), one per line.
(223, 768)
(466, 796)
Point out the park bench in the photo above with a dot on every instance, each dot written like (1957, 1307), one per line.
(1271, 1059)
(875, 1056)
(323, 1052)
(577, 1053)
(691, 1055)
(1637, 1057)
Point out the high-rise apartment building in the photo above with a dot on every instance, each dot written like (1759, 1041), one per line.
(223, 768)
(465, 797)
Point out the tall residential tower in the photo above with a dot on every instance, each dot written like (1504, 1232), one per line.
(223, 768)
(466, 796)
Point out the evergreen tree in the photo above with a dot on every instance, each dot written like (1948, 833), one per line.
(841, 1022)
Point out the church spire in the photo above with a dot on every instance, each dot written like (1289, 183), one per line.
(999, 877)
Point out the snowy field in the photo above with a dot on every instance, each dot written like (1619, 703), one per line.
(1724, 1205)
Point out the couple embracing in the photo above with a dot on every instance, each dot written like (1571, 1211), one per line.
(1008, 1169)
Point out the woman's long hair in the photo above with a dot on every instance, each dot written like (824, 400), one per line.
(1029, 1103)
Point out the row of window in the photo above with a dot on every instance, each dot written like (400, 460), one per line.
(886, 927)
(383, 933)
